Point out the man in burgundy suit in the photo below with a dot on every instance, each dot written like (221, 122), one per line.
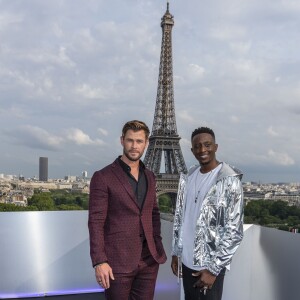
(124, 222)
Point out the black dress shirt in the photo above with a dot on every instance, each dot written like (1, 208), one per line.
(139, 186)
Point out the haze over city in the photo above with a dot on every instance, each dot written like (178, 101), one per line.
(73, 72)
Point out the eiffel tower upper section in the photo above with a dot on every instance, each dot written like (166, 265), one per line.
(164, 138)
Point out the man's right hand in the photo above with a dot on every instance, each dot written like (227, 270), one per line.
(174, 265)
(103, 273)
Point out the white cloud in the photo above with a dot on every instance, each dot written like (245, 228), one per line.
(35, 137)
(103, 131)
(185, 117)
(234, 119)
(14, 112)
(249, 71)
(292, 6)
(57, 30)
(272, 132)
(240, 47)
(64, 58)
(226, 32)
(89, 92)
(80, 138)
(9, 19)
(22, 79)
(48, 84)
(196, 71)
(282, 159)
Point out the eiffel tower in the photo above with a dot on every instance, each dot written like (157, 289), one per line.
(164, 138)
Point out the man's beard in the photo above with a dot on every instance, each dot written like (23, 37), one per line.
(132, 158)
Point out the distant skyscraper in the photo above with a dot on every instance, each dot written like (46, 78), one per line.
(43, 169)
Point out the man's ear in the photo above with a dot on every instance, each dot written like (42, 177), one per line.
(122, 140)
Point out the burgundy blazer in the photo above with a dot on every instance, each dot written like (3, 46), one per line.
(115, 220)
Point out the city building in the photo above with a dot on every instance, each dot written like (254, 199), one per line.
(43, 169)
(84, 175)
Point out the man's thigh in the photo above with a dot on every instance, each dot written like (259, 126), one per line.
(137, 285)
(120, 287)
(143, 285)
(192, 293)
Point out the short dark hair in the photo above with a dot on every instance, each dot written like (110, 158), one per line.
(203, 130)
(135, 125)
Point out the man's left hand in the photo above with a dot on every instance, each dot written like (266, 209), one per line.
(205, 279)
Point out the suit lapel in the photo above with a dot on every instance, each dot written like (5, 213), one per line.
(120, 174)
(149, 183)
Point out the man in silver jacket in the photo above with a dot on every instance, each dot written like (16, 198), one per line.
(208, 221)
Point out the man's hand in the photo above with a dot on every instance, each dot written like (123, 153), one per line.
(103, 273)
(205, 279)
(174, 266)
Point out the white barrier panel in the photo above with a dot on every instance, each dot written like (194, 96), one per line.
(47, 253)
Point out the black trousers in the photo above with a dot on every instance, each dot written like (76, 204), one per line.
(192, 293)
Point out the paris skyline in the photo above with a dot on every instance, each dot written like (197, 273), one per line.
(73, 72)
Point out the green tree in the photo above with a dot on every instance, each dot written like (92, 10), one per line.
(69, 207)
(6, 207)
(42, 201)
(253, 208)
(250, 220)
(280, 209)
(271, 213)
(165, 203)
(284, 227)
(79, 201)
(293, 221)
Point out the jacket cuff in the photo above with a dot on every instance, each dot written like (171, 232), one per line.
(99, 264)
(176, 251)
(214, 269)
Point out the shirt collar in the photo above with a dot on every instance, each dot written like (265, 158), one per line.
(127, 168)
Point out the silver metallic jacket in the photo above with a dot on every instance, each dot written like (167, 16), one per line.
(219, 228)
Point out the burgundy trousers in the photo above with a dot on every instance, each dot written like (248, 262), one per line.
(137, 285)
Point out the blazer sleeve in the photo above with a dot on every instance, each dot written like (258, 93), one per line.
(98, 205)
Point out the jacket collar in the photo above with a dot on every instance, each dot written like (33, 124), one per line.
(225, 171)
(120, 174)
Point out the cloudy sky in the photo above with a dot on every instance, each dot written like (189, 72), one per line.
(72, 72)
